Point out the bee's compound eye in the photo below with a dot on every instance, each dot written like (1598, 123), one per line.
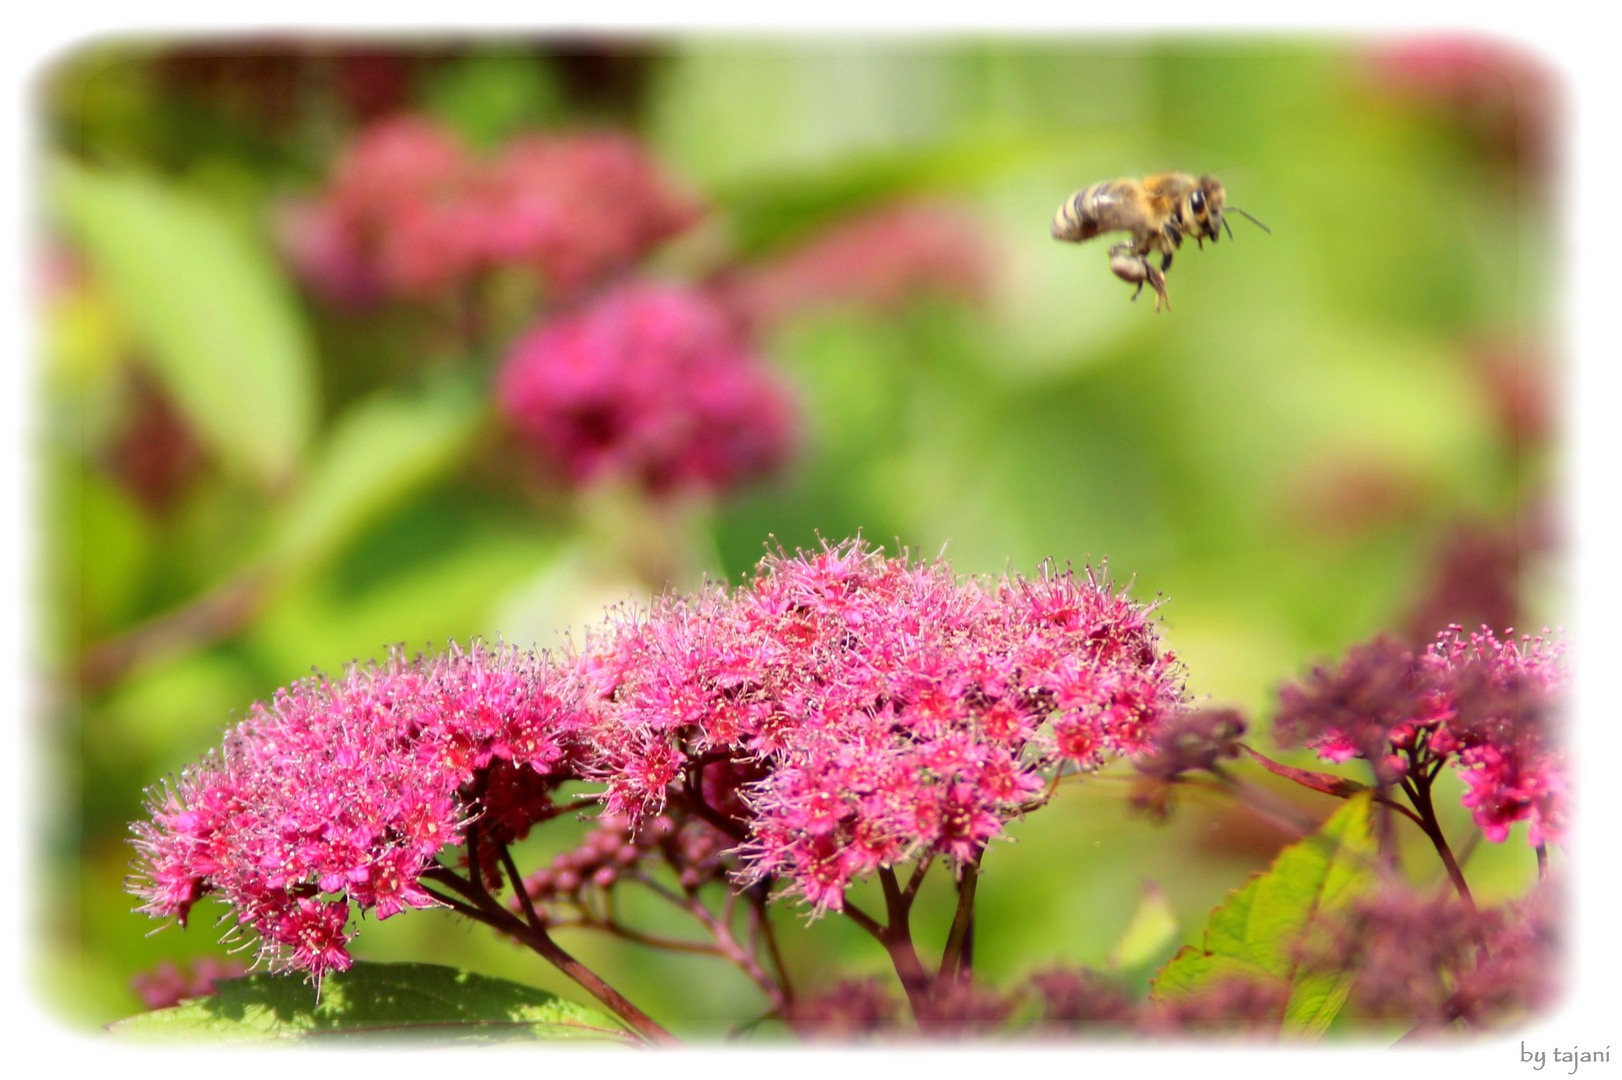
(1196, 202)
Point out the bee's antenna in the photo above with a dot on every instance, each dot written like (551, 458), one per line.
(1258, 224)
(1225, 225)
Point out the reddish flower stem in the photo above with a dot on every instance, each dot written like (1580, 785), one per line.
(761, 922)
(955, 961)
(917, 879)
(652, 941)
(528, 905)
(1258, 799)
(726, 944)
(897, 941)
(485, 909)
(1420, 794)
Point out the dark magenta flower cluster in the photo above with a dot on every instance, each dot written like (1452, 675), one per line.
(1485, 705)
(841, 712)
(650, 384)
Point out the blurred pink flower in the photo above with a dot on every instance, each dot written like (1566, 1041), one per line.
(1430, 957)
(1502, 94)
(575, 207)
(326, 255)
(409, 211)
(650, 383)
(167, 985)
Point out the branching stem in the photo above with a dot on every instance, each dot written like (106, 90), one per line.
(484, 908)
(897, 941)
(1420, 793)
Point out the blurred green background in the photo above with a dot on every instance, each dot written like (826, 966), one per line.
(1312, 446)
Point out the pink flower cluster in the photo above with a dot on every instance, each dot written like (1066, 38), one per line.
(343, 792)
(410, 212)
(898, 713)
(1501, 698)
(841, 712)
(1486, 705)
(650, 383)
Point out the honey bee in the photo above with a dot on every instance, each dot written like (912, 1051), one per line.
(1159, 211)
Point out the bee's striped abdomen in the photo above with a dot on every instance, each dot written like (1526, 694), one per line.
(1098, 209)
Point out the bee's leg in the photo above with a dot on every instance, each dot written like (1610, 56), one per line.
(1157, 281)
(1165, 262)
(1132, 269)
(1138, 270)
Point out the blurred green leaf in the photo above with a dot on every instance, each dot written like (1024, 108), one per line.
(1153, 925)
(110, 544)
(492, 96)
(1257, 934)
(317, 623)
(725, 110)
(380, 450)
(772, 211)
(207, 303)
(163, 715)
(416, 1001)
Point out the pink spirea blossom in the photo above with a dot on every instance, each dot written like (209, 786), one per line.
(840, 712)
(1502, 699)
(409, 211)
(893, 712)
(1486, 705)
(342, 792)
(651, 384)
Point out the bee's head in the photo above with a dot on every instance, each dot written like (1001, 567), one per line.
(1202, 209)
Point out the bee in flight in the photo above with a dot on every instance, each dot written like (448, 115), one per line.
(1159, 211)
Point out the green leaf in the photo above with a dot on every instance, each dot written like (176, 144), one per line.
(1258, 932)
(491, 96)
(208, 307)
(380, 451)
(417, 1001)
(771, 212)
(1153, 926)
